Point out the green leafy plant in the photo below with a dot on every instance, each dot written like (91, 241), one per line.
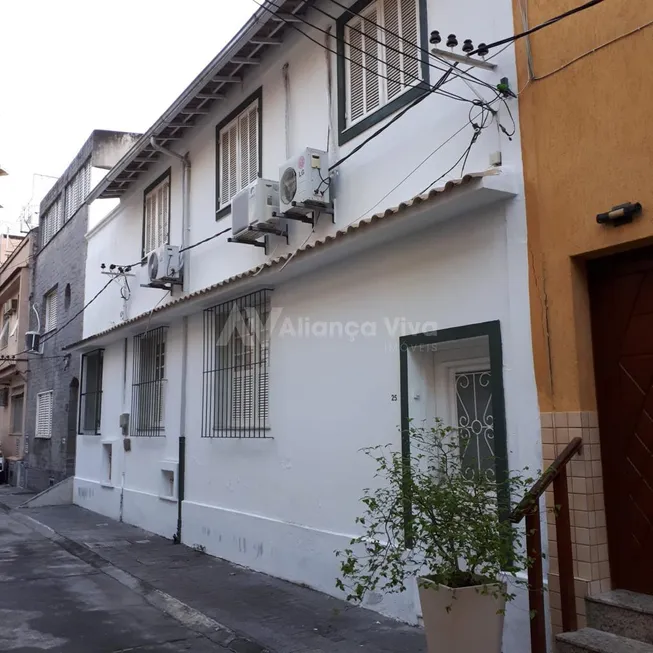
(434, 517)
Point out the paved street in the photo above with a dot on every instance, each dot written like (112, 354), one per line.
(75, 582)
(51, 600)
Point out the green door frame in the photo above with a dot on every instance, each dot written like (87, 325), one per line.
(491, 330)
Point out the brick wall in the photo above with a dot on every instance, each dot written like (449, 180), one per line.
(61, 262)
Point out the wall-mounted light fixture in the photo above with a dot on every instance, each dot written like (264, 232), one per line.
(618, 215)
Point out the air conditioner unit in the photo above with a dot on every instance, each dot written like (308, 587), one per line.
(254, 210)
(304, 181)
(33, 342)
(164, 265)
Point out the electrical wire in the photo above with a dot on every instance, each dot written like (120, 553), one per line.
(424, 51)
(537, 78)
(126, 268)
(394, 119)
(416, 78)
(205, 240)
(537, 28)
(74, 317)
(418, 166)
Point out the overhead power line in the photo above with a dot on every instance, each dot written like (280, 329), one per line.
(425, 59)
(74, 317)
(537, 28)
(420, 82)
(403, 39)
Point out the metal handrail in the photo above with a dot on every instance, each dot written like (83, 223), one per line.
(529, 509)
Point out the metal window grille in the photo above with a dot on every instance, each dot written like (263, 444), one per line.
(149, 383)
(44, 414)
(17, 403)
(90, 396)
(235, 387)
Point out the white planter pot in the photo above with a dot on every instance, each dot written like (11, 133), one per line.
(474, 623)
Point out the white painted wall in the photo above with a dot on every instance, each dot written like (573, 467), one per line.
(284, 504)
(391, 157)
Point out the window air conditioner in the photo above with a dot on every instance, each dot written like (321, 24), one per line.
(254, 210)
(304, 181)
(33, 342)
(164, 265)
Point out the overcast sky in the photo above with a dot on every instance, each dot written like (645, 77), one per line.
(70, 66)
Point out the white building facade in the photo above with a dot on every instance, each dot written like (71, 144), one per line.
(249, 445)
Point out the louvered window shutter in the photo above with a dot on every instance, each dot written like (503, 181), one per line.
(409, 30)
(356, 78)
(383, 53)
(228, 163)
(44, 415)
(371, 49)
(149, 226)
(393, 58)
(162, 225)
(51, 311)
(253, 144)
(243, 150)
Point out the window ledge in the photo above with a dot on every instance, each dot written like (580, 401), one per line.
(164, 497)
(107, 485)
(225, 210)
(42, 437)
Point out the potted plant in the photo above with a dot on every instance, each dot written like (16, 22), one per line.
(436, 518)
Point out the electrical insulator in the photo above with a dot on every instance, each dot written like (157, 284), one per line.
(468, 46)
(482, 50)
(452, 41)
(435, 38)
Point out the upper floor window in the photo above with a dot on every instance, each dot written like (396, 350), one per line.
(381, 65)
(148, 383)
(52, 221)
(156, 214)
(238, 151)
(76, 190)
(50, 302)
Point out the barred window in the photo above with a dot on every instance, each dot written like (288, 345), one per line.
(235, 388)
(90, 404)
(149, 383)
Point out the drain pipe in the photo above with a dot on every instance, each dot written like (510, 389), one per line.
(181, 465)
(185, 224)
(185, 207)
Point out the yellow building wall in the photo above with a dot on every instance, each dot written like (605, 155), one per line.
(586, 113)
(587, 139)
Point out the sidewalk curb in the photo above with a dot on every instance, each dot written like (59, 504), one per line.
(182, 612)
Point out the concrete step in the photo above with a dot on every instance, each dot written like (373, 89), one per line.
(623, 613)
(589, 640)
